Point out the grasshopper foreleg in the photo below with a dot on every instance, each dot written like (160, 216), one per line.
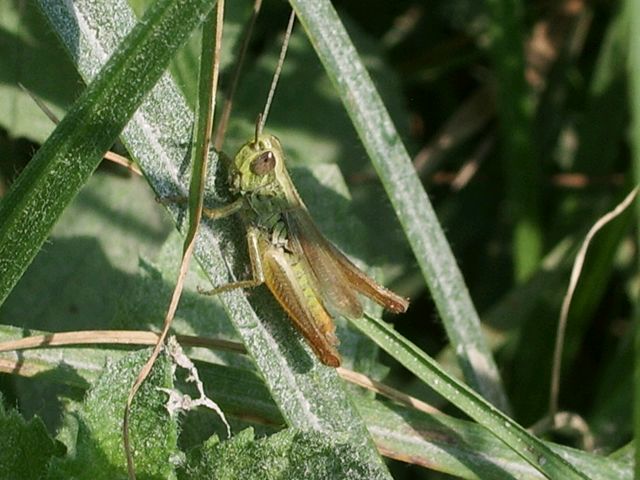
(221, 212)
(211, 213)
(257, 273)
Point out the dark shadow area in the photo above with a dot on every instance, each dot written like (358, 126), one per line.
(24, 59)
(45, 395)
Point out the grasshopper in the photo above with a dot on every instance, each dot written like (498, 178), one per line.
(305, 272)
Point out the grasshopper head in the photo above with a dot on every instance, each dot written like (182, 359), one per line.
(256, 164)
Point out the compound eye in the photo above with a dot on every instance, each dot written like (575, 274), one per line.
(264, 163)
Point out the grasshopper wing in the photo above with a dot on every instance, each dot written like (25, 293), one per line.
(334, 272)
(285, 276)
(332, 285)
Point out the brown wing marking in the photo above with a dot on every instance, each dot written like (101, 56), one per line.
(333, 287)
(287, 283)
(303, 228)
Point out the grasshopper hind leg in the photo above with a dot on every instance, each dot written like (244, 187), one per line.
(287, 282)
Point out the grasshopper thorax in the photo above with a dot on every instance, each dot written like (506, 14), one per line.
(257, 164)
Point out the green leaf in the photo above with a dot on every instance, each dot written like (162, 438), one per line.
(437, 441)
(25, 446)
(289, 454)
(97, 443)
(90, 272)
(145, 302)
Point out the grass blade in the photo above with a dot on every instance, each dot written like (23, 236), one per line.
(513, 435)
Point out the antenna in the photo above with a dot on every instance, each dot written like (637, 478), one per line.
(276, 75)
(226, 110)
(259, 126)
